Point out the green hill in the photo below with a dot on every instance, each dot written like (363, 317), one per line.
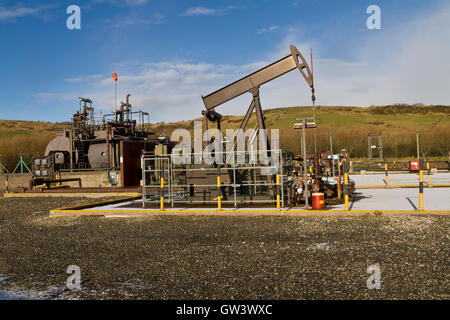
(349, 127)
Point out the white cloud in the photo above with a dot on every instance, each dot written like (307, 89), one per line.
(122, 3)
(269, 29)
(199, 11)
(408, 64)
(46, 97)
(202, 11)
(11, 14)
(128, 21)
(84, 78)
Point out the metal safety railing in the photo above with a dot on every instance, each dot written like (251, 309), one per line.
(396, 165)
(241, 179)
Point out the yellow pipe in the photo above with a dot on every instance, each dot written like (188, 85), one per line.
(70, 194)
(278, 194)
(293, 213)
(429, 177)
(162, 195)
(6, 185)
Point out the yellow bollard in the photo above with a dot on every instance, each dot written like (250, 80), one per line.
(421, 187)
(429, 177)
(58, 177)
(6, 185)
(162, 195)
(386, 172)
(346, 190)
(278, 192)
(219, 195)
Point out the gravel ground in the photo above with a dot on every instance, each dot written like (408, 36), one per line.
(198, 257)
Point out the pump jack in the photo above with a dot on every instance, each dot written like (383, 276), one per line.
(251, 84)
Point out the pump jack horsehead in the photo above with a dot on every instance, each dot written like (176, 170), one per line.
(251, 84)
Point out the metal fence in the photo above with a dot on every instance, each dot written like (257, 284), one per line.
(243, 179)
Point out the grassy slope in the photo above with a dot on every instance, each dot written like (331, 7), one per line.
(27, 137)
(373, 118)
(348, 125)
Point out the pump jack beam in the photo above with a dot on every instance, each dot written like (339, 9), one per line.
(252, 82)
(258, 78)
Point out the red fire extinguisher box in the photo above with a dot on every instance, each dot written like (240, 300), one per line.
(414, 165)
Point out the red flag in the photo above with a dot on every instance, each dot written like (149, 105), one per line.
(114, 75)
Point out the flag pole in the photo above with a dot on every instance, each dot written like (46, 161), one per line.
(114, 76)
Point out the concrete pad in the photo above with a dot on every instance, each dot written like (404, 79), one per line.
(366, 200)
(403, 199)
(399, 199)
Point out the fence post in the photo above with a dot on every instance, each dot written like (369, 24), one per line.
(6, 185)
(386, 172)
(421, 185)
(345, 185)
(278, 192)
(428, 172)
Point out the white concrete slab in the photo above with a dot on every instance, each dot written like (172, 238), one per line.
(369, 199)
(399, 199)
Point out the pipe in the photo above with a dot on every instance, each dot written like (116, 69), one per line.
(108, 153)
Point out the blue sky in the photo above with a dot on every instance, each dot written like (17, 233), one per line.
(169, 53)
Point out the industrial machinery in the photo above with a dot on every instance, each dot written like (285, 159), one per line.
(243, 183)
(311, 173)
(91, 144)
(324, 173)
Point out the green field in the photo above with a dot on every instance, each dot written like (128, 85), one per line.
(349, 127)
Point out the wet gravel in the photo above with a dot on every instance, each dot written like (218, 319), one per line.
(199, 257)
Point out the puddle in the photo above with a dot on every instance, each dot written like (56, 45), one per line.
(7, 295)
(16, 293)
